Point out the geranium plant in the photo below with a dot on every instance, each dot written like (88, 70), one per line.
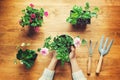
(26, 56)
(81, 17)
(33, 17)
(62, 45)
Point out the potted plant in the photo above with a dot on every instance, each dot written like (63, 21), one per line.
(62, 45)
(81, 17)
(33, 18)
(26, 56)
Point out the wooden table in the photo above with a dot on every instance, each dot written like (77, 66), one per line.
(11, 35)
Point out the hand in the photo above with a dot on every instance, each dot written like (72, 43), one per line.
(72, 53)
(54, 56)
(53, 61)
(73, 60)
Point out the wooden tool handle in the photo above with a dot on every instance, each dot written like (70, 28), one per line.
(89, 65)
(99, 65)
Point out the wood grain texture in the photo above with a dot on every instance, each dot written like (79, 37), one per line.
(11, 35)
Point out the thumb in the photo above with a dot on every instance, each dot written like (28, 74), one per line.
(72, 49)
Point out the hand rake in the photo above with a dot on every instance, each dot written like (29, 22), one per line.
(103, 50)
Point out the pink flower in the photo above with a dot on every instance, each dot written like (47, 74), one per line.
(30, 20)
(46, 14)
(37, 29)
(31, 5)
(33, 16)
(77, 41)
(44, 51)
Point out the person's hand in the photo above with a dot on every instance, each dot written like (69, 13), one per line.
(54, 55)
(53, 61)
(72, 54)
(73, 60)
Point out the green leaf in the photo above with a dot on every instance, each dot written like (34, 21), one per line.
(40, 22)
(41, 12)
(74, 15)
(23, 11)
(69, 19)
(33, 24)
(84, 42)
(39, 49)
(19, 54)
(96, 9)
(87, 6)
(29, 8)
(28, 63)
(77, 9)
(62, 63)
(93, 14)
(47, 43)
(87, 15)
(74, 21)
(58, 57)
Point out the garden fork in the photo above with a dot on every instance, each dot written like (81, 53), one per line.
(103, 50)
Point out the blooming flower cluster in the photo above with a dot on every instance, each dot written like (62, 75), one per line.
(44, 51)
(31, 5)
(37, 29)
(46, 14)
(33, 17)
(77, 41)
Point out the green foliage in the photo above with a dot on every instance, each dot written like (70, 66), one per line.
(83, 42)
(79, 13)
(27, 57)
(61, 44)
(47, 43)
(26, 20)
(87, 6)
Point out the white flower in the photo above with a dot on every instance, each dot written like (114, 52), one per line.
(21, 62)
(23, 44)
(44, 51)
(77, 41)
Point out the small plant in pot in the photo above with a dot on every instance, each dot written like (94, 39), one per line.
(62, 45)
(80, 17)
(33, 18)
(26, 57)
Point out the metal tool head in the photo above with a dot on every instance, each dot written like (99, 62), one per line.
(91, 47)
(105, 49)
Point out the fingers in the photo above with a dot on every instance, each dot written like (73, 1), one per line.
(72, 53)
(54, 53)
(72, 48)
(54, 56)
